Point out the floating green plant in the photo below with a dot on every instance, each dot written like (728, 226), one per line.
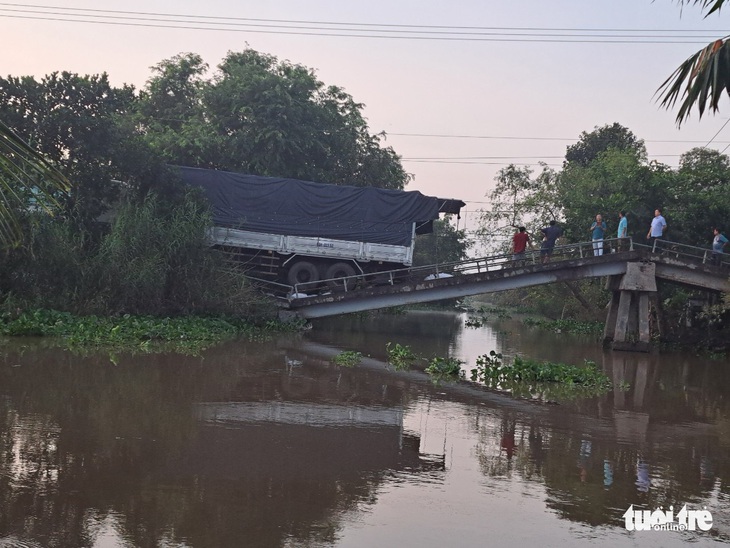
(546, 380)
(348, 358)
(566, 326)
(477, 318)
(401, 357)
(445, 368)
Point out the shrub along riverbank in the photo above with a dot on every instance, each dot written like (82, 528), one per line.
(147, 281)
(152, 260)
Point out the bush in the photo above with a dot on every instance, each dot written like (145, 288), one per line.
(154, 260)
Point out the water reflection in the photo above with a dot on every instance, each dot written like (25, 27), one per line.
(270, 444)
(428, 333)
(205, 451)
(660, 441)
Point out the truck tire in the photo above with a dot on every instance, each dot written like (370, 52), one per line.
(340, 270)
(302, 272)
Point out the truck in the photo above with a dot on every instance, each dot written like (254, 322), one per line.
(293, 232)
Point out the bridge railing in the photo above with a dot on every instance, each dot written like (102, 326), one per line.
(674, 249)
(535, 256)
(446, 270)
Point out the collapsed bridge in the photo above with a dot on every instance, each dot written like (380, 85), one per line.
(631, 276)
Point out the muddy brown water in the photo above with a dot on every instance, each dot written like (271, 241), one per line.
(271, 444)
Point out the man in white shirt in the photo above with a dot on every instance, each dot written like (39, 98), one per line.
(658, 226)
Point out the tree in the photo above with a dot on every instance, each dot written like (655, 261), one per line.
(84, 127)
(445, 244)
(615, 181)
(263, 116)
(26, 180)
(591, 145)
(703, 77)
(172, 112)
(606, 172)
(519, 200)
(702, 188)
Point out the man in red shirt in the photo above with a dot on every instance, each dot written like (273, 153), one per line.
(519, 245)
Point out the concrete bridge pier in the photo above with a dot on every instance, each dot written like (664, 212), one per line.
(627, 323)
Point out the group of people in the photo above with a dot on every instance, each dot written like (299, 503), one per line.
(521, 240)
(598, 229)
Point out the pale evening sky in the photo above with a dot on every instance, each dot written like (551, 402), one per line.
(461, 88)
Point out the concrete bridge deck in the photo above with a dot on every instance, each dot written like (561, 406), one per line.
(675, 263)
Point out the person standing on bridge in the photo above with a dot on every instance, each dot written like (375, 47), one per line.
(623, 231)
(718, 245)
(519, 244)
(551, 233)
(657, 229)
(598, 231)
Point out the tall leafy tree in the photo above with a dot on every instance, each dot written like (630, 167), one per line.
(446, 244)
(702, 193)
(592, 144)
(263, 116)
(83, 126)
(172, 112)
(702, 79)
(615, 181)
(519, 199)
(605, 172)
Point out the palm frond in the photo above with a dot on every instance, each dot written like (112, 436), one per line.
(714, 5)
(700, 81)
(24, 173)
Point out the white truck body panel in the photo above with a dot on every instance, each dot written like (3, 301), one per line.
(314, 246)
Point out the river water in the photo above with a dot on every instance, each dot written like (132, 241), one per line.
(271, 444)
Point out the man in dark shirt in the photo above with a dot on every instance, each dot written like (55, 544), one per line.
(551, 234)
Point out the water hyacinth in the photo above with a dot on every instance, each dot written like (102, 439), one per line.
(540, 379)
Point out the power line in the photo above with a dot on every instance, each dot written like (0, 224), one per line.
(483, 158)
(716, 134)
(476, 163)
(140, 19)
(449, 158)
(483, 137)
(343, 23)
(507, 138)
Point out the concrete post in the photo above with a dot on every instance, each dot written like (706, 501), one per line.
(610, 326)
(644, 331)
(629, 319)
(622, 318)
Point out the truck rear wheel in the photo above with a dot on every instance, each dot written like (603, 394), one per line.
(302, 272)
(340, 270)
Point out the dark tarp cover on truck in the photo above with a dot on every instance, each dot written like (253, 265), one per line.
(303, 208)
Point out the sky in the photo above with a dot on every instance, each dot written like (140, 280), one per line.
(462, 88)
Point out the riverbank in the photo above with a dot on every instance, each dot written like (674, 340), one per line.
(186, 334)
